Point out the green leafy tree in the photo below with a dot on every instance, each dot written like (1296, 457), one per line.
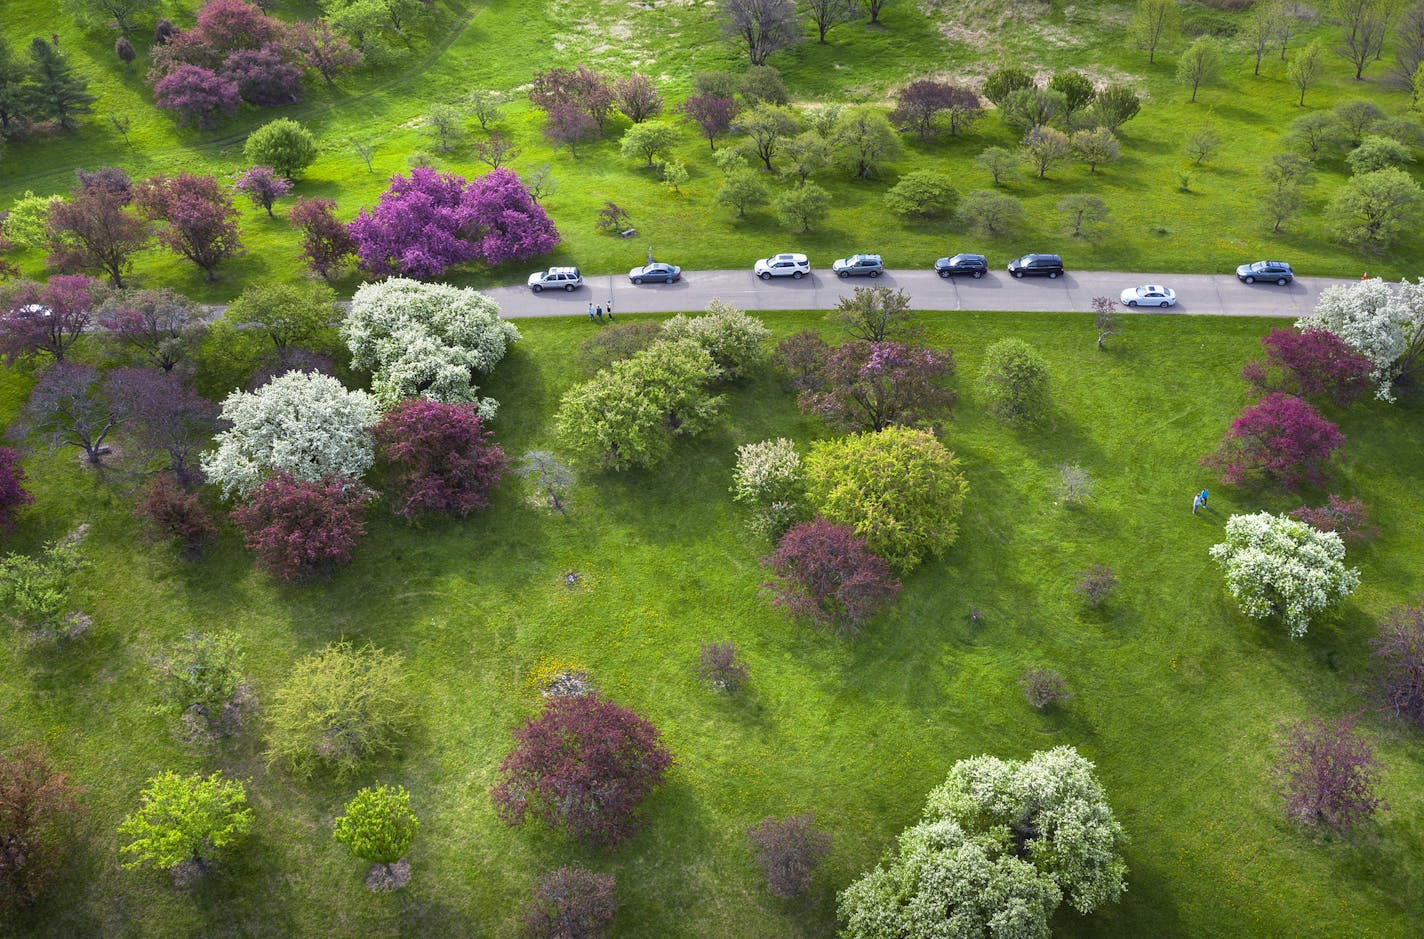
(1096, 147)
(991, 213)
(201, 680)
(806, 153)
(445, 126)
(1372, 210)
(56, 91)
(122, 15)
(37, 589)
(766, 126)
(1028, 108)
(283, 144)
(735, 341)
(1114, 106)
(341, 707)
(1000, 162)
(864, 141)
(803, 207)
(1155, 25)
(876, 314)
(898, 488)
(1260, 29)
(1077, 91)
(647, 141)
(1014, 381)
(1084, 216)
(1376, 152)
(742, 190)
(290, 314)
(379, 825)
(184, 820)
(1303, 70)
(1045, 147)
(1005, 81)
(922, 194)
(1200, 64)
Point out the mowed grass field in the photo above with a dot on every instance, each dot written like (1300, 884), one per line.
(1177, 695)
(1154, 225)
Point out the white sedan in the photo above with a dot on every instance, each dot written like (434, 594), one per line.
(1149, 295)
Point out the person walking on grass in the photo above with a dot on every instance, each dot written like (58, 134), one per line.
(1203, 497)
(1197, 502)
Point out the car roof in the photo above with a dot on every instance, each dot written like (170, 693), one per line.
(563, 270)
(967, 254)
(866, 257)
(789, 257)
(1152, 288)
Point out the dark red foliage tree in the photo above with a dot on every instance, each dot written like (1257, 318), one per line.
(36, 803)
(637, 97)
(199, 96)
(202, 222)
(1400, 650)
(719, 665)
(582, 88)
(1348, 518)
(1279, 438)
(158, 326)
(440, 457)
(106, 178)
(787, 851)
(303, 531)
(226, 25)
(48, 319)
(585, 765)
(164, 416)
(7, 268)
(264, 186)
(68, 407)
(125, 51)
(175, 514)
(263, 76)
(163, 31)
(13, 496)
(323, 50)
(572, 903)
(568, 125)
(921, 102)
(801, 359)
(326, 243)
(712, 113)
(96, 230)
(1327, 773)
(827, 575)
(872, 385)
(1313, 364)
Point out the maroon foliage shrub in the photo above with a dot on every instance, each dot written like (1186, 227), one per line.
(584, 765)
(263, 76)
(46, 320)
(1348, 518)
(788, 851)
(1279, 438)
(202, 222)
(827, 575)
(1313, 364)
(175, 514)
(801, 358)
(440, 457)
(163, 31)
(1327, 773)
(922, 101)
(1044, 686)
(572, 903)
(125, 51)
(264, 186)
(164, 417)
(326, 244)
(1096, 584)
(302, 531)
(13, 496)
(199, 96)
(872, 385)
(720, 668)
(36, 803)
(712, 113)
(105, 179)
(1400, 650)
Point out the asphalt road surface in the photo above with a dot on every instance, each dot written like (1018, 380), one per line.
(1073, 292)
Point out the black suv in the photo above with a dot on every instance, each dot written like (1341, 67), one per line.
(1278, 271)
(972, 264)
(1036, 265)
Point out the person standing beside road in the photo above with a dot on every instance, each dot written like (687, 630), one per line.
(590, 311)
(609, 309)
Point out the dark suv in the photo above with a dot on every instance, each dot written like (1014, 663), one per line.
(1278, 271)
(972, 264)
(1036, 265)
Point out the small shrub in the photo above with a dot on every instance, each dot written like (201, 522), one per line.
(35, 591)
(612, 218)
(1348, 518)
(547, 479)
(1075, 485)
(379, 827)
(788, 851)
(1327, 773)
(1096, 584)
(201, 680)
(828, 576)
(37, 804)
(1400, 651)
(572, 903)
(175, 514)
(719, 666)
(1044, 687)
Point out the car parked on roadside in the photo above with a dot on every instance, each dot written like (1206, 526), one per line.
(794, 266)
(1149, 295)
(858, 265)
(1036, 265)
(1271, 271)
(555, 278)
(975, 265)
(655, 273)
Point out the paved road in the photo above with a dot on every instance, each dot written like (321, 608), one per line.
(1199, 294)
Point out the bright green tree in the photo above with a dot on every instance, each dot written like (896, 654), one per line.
(1200, 64)
(290, 314)
(1155, 25)
(922, 194)
(379, 825)
(1014, 381)
(1371, 210)
(283, 144)
(184, 819)
(648, 141)
(802, 207)
(742, 190)
(1303, 70)
(864, 141)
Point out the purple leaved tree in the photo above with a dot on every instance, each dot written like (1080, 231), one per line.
(264, 186)
(46, 320)
(199, 96)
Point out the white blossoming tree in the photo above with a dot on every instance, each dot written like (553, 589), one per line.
(1383, 322)
(735, 340)
(426, 340)
(1002, 843)
(770, 480)
(306, 423)
(1278, 566)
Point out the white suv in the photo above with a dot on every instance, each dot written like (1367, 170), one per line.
(783, 265)
(554, 278)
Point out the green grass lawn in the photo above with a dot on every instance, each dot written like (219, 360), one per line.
(1177, 695)
(500, 44)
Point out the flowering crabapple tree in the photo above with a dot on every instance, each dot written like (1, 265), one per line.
(263, 76)
(304, 423)
(13, 496)
(1278, 439)
(770, 480)
(97, 229)
(1314, 363)
(1327, 773)
(158, 326)
(199, 96)
(302, 531)
(572, 902)
(47, 320)
(440, 457)
(37, 804)
(163, 416)
(1381, 321)
(872, 385)
(1348, 518)
(202, 222)
(788, 851)
(1279, 567)
(826, 575)
(426, 340)
(584, 765)
(263, 186)
(326, 244)
(733, 339)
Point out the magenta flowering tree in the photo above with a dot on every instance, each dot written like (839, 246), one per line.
(263, 76)
(440, 456)
(1280, 439)
(47, 319)
(264, 186)
(199, 96)
(871, 385)
(428, 222)
(1315, 363)
(13, 496)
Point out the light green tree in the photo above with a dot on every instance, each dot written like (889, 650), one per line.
(1200, 64)
(290, 314)
(864, 141)
(742, 190)
(647, 141)
(1372, 210)
(184, 820)
(1155, 25)
(283, 144)
(803, 207)
(922, 194)
(379, 825)
(1014, 381)
(1303, 70)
